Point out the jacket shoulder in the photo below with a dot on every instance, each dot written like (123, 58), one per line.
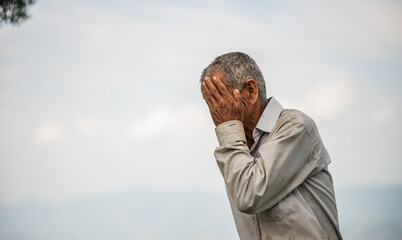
(297, 117)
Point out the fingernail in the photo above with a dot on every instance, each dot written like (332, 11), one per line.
(214, 78)
(236, 91)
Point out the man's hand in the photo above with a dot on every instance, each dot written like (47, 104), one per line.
(222, 105)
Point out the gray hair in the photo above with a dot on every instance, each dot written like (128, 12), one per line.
(237, 68)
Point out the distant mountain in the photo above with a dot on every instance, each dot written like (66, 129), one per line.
(370, 213)
(146, 214)
(142, 214)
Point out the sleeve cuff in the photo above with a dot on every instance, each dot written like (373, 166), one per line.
(230, 132)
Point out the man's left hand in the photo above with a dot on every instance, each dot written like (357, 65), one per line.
(222, 105)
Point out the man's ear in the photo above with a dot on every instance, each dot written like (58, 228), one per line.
(252, 89)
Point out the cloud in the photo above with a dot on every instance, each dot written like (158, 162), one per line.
(164, 118)
(323, 91)
(102, 60)
(328, 99)
(49, 133)
(174, 148)
(383, 115)
(90, 127)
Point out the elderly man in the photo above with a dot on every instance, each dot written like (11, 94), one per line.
(273, 160)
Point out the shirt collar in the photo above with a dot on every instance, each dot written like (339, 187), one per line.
(270, 116)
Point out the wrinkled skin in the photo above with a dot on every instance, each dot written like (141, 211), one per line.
(226, 103)
(223, 106)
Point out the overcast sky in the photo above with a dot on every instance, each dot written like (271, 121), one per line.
(103, 96)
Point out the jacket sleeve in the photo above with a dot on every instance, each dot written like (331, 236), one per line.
(283, 162)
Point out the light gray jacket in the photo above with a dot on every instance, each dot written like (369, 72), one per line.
(280, 188)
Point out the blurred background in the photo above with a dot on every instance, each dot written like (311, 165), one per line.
(104, 133)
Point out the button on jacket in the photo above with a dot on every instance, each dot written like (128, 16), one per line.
(280, 188)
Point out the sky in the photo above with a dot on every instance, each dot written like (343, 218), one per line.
(99, 97)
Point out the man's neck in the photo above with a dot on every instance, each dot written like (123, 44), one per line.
(252, 120)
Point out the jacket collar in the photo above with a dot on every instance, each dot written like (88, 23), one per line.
(270, 116)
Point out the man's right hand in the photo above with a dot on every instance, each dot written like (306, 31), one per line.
(222, 105)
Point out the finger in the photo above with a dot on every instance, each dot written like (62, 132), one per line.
(237, 95)
(203, 90)
(211, 102)
(213, 90)
(221, 87)
(207, 95)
